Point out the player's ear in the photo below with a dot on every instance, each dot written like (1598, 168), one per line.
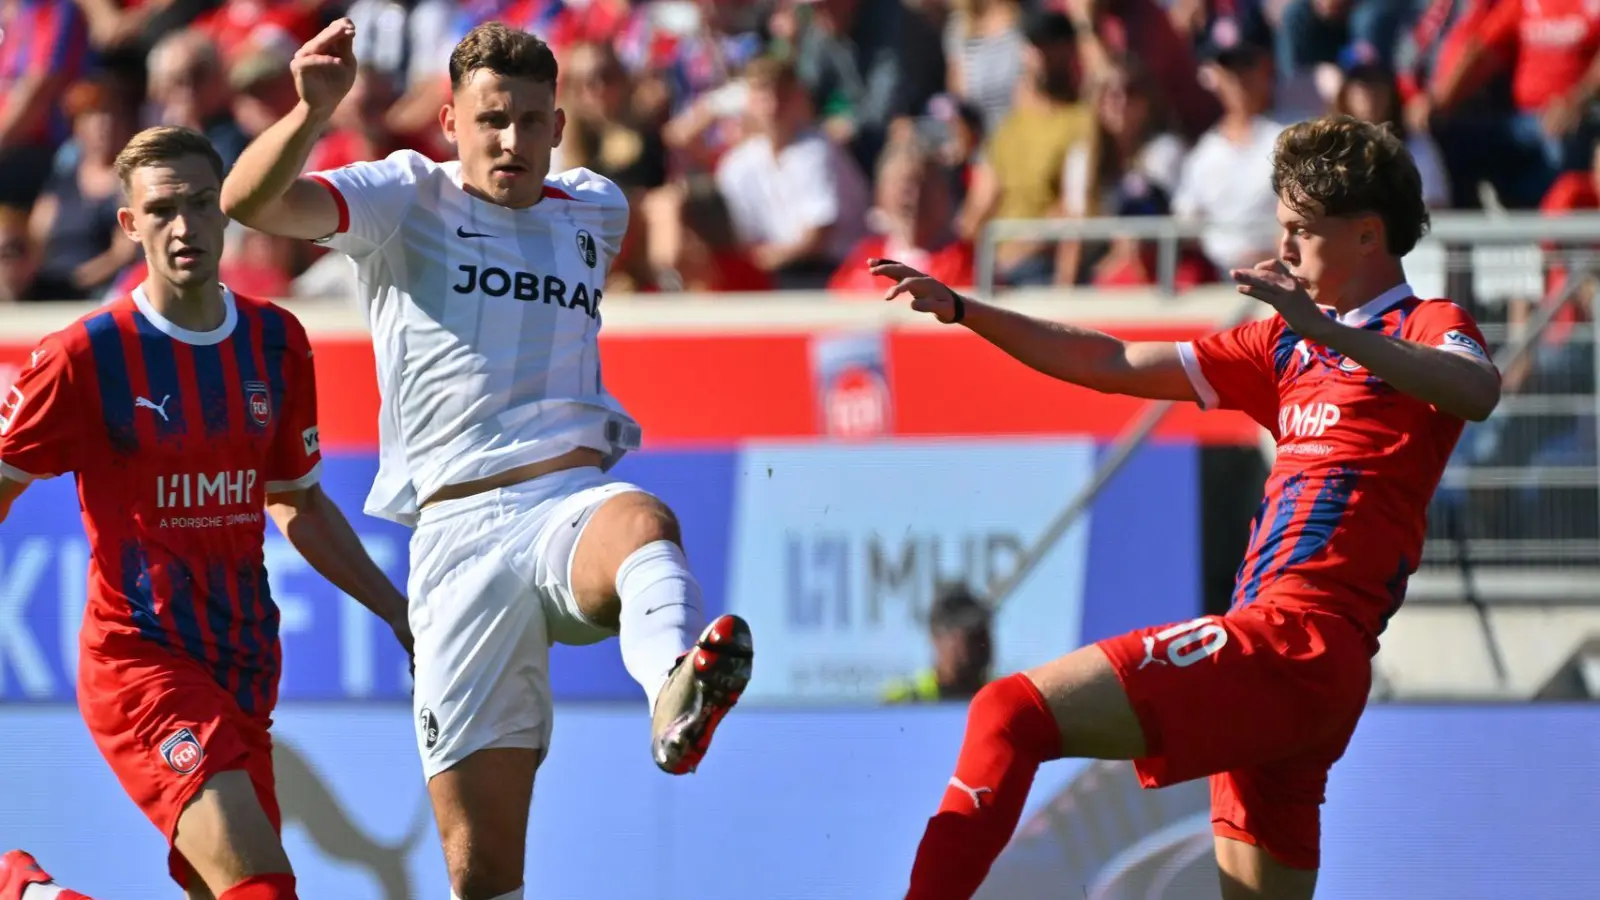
(126, 221)
(559, 125)
(447, 121)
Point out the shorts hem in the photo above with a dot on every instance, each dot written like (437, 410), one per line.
(519, 740)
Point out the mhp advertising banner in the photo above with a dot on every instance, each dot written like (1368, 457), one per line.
(831, 551)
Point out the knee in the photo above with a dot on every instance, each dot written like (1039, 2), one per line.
(642, 519)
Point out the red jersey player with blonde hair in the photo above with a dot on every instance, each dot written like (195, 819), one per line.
(184, 411)
(1366, 388)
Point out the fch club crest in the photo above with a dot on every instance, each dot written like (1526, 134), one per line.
(258, 400)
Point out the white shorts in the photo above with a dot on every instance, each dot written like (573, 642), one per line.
(490, 591)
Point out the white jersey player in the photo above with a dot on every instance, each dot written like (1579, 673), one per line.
(482, 280)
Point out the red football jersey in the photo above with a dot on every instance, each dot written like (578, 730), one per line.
(1345, 508)
(176, 438)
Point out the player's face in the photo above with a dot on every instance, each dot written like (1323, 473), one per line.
(174, 213)
(1324, 252)
(504, 129)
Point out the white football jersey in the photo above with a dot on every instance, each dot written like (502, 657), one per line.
(484, 321)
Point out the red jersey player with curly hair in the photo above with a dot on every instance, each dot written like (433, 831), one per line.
(1365, 388)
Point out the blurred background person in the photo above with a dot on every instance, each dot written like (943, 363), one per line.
(911, 220)
(983, 51)
(44, 47)
(16, 257)
(80, 246)
(959, 626)
(797, 200)
(1019, 172)
(1370, 92)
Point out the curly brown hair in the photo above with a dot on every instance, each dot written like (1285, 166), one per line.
(1338, 165)
(503, 51)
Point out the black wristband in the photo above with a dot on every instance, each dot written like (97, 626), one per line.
(961, 308)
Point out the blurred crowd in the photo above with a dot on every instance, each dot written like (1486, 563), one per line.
(770, 144)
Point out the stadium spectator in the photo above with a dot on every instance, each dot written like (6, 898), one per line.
(692, 245)
(1322, 38)
(983, 51)
(1554, 48)
(603, 132)
(913, 222)
(797, 201)
(848, 54)
(188, 87)
(1227, 178)
(1133, 164)
(1019, 175)
(1370, 92)
(43, 46)
(16, 258)
(1111, 30)
(80, 246)
(959, 626)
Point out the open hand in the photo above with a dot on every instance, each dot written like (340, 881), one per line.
(325, 68)
(928, 294)
(1271, 283)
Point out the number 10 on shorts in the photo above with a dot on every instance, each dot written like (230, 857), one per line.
(1184, 644)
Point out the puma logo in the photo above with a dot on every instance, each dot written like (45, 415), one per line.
(975, 793)
(161, 410)
(1150, 653)
(308, 799)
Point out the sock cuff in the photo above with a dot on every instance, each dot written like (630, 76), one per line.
(652, 555)
(271, 886)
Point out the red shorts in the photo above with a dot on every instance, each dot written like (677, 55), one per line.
(166, 727)
(1263, 700)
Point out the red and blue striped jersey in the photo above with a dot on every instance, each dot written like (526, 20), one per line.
(176, 438)
(1342, 520)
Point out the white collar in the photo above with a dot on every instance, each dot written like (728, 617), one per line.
(1378, 305)
(230, 318)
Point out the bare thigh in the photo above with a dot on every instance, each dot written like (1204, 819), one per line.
(621, 525)
(225, 835)
(1090, 706)
(481, 805)
(1250, 873)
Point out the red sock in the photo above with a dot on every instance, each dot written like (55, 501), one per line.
(1010, 732)
(276, 886)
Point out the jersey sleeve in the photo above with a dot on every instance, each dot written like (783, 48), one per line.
(599, 203)
(41, 418)
(295, 461)
(1236, 369)
(1445, 326)
(373, 198)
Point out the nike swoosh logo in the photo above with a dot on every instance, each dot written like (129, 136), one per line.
(462, 232)
(655, 609)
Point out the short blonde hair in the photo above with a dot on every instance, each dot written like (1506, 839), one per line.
(164, 144)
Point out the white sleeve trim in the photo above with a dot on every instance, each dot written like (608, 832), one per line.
(15, 474)
(309, 479)
(1206, 394)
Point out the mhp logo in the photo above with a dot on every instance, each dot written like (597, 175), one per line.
(1310, 420)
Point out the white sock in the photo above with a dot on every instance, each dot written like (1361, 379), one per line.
(48, 891)
(661, 616)
(510, 895)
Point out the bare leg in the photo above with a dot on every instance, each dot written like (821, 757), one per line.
(227, 839)
(481, 805)
(1250, 873)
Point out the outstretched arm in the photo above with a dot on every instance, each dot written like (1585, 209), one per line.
(1081, 356)
(314, 525)
(264, 190)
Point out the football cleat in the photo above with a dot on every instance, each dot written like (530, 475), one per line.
(17, 871)
(704, 684)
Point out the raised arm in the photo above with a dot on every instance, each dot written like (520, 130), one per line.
(264, 190)
(1079, 356)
